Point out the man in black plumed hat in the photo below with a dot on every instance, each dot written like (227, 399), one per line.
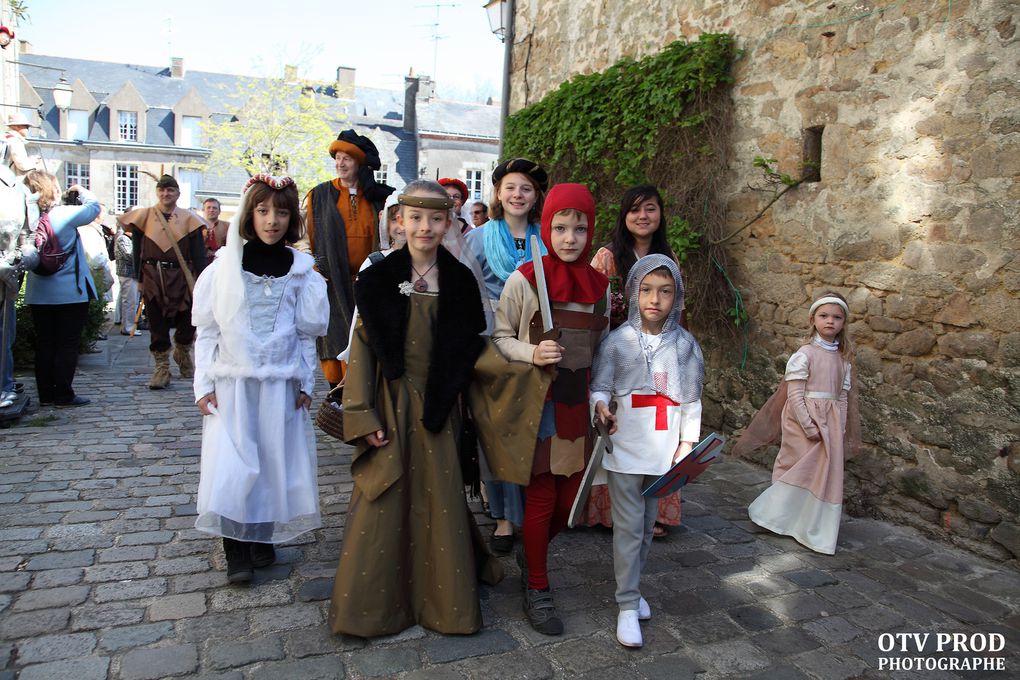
(343, 220)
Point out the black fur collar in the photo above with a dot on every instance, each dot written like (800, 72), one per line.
(456, 339)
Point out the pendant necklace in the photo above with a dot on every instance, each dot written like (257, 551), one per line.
(420, 286)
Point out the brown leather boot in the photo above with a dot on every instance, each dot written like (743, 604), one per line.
(161, 375)
(185, 363)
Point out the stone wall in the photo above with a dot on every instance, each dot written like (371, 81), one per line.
(915, 220)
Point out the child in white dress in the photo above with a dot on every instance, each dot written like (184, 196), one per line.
(258, 309)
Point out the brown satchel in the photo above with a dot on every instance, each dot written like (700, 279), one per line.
(330, 417)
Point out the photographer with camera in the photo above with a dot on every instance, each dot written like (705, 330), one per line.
(59, 301)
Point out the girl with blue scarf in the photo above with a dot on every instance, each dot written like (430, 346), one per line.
(496, 250)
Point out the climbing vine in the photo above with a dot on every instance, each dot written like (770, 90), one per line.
(663, 120)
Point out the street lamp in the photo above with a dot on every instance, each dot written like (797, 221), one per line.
(498, 17)
(62, 94)
(501, 22)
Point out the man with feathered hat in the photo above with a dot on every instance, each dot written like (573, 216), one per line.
(169, 254)
(342, 220)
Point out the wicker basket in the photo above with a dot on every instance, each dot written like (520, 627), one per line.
(330, 417)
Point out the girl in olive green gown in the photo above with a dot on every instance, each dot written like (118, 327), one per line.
(411, 552)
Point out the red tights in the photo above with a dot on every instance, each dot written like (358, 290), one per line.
(547, 501)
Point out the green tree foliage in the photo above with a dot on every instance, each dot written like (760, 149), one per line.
(275, 127)
(612, 120)
(662, 120)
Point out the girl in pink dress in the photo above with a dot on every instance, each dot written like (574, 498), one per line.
(806, 497)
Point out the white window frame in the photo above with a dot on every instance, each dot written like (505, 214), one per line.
(382, 174)
(476, 189)
(191, 131)
(127, 126)
(77, 125)
(190, 181)
(77, 173)
(125, 182)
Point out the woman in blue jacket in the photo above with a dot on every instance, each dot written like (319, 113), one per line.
(60, 301)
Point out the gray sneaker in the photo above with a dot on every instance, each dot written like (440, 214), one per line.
(541, 612)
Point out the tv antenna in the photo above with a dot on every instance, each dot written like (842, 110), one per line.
(435, 35)
(169, 21)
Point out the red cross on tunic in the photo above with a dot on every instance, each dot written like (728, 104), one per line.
(659, 402)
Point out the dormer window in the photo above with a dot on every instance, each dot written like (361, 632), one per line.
(77, 125)
(128, 125)
(191, 131)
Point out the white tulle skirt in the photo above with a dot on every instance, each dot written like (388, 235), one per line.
(258, 469)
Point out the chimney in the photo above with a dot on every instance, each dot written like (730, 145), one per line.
(345, 82)
(426, 88)
(289, 73)
(24, 47)
(176, 67)
(410, 97)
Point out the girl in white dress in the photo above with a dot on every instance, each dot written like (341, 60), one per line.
(258, 309)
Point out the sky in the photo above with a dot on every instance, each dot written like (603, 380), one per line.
(382, 39)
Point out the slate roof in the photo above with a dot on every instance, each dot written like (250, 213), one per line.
(370, 108)
(458, 118)
(154, 84)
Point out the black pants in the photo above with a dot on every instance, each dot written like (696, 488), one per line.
(57, 338)
(160, 325)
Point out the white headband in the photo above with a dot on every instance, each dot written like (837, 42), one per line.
(828, 301)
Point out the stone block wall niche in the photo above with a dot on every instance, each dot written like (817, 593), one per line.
(915, 218)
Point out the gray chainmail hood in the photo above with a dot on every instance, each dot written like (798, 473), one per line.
(624, 364)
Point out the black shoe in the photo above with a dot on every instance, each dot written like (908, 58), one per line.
(239, 568)
(541, 612)
(125, 333)
(77, 401)
(19, 387)
(501, 545)
(262, 555)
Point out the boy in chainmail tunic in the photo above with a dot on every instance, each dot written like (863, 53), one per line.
(653, 368)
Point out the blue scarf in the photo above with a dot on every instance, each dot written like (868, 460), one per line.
(500, 251)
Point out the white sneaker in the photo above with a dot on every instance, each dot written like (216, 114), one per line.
(628, 630)
(644, 612)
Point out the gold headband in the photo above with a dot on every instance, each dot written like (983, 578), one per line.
(430, 202)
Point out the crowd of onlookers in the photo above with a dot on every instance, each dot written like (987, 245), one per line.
(96, 268)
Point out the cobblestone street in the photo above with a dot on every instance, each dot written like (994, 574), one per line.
(102, 574)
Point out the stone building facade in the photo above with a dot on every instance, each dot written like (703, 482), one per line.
(914, 219)
(167, 107)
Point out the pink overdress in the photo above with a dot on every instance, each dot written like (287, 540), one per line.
(805, 500)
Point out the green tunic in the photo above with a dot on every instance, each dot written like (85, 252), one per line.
(411, 552)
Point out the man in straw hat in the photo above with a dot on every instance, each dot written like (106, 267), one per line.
(343, 227)
(169, 254)
(17, 157)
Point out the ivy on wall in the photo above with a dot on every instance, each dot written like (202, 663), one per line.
(663, 120)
